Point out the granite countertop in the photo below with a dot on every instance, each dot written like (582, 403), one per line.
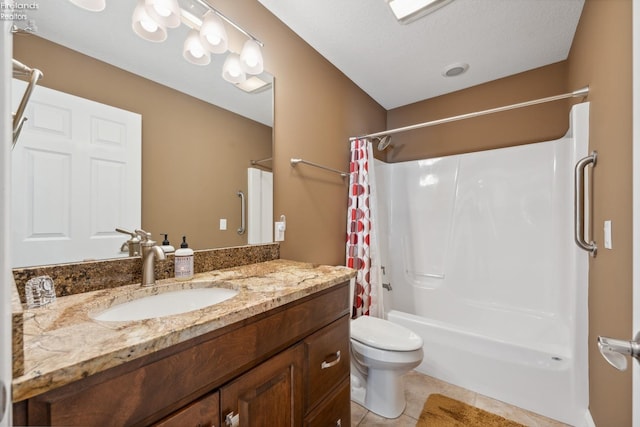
(62, 343)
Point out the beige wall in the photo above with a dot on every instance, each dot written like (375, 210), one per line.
(317, 109)
(194, 155)
(601, 58)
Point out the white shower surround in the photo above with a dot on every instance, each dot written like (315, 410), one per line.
(480, 253)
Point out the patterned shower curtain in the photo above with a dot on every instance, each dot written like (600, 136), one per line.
(362, 251)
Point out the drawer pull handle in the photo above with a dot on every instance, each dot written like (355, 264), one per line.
(326, 364)
(339, 423)
(232, 420)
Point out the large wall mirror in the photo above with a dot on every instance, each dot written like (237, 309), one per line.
(200, 133)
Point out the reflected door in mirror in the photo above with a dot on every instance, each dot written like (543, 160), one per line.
(76, 176)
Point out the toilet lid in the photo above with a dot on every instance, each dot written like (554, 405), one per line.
(383, 334)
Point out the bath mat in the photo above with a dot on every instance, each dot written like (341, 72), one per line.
(442, 411)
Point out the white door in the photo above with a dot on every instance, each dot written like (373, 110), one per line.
(259, 206)
(76, 174)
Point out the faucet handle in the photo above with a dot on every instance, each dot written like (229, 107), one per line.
(123, 231)
(144, 236)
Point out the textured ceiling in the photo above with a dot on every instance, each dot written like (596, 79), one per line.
(400, 64)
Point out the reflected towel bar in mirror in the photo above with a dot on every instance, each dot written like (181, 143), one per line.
(294, 162)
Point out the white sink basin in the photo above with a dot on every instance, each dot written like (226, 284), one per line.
(165, 304)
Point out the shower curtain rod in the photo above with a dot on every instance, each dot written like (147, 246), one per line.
(577, 93)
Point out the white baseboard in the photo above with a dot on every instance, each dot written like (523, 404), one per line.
(588, 420)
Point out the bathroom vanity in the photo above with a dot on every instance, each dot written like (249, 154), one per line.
(276, 354)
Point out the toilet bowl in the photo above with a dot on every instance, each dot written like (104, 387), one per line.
(381, 353)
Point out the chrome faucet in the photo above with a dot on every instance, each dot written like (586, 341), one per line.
(150, 252)
(132, 245)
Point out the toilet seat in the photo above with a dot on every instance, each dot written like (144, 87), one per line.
(384, 335)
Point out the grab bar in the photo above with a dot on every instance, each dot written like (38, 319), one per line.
(18, 119)
(243, 213)
(579, 206)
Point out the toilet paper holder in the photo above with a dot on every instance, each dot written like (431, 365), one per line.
(615, 351)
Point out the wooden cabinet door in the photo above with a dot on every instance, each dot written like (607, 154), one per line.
(268, 395)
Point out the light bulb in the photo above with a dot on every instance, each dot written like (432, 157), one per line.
(232, 69)
(196, 52)
(149, 25)
(164, 12)
(213, 38)
(251, 57)
(161, 10)
(213, 34)
(193, 51)
(145, 26)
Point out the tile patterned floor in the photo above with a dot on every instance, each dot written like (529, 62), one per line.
(418, 387)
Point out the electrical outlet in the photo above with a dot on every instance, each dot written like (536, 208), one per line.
(607, 235)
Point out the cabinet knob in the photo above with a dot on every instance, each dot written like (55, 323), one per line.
(339, 423)
(326, 364)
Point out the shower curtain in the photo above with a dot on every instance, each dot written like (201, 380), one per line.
(362, 241)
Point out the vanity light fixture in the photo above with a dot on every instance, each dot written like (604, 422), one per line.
(407, 11)
(92, 5)
(151, 18)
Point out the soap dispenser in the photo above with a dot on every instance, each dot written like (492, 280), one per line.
(184, 261)
(166, 246)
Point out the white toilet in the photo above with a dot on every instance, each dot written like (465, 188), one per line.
(381, 353)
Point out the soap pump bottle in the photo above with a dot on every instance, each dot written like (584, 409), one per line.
(166, 246)
(184, 261)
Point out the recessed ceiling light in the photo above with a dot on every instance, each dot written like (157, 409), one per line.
(407, 11)
(454, 70)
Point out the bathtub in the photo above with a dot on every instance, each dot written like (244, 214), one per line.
(513, 372)
(478, 250)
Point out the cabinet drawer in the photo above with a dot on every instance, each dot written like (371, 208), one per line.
(327, 360)
(335, 411)
(204, 412)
